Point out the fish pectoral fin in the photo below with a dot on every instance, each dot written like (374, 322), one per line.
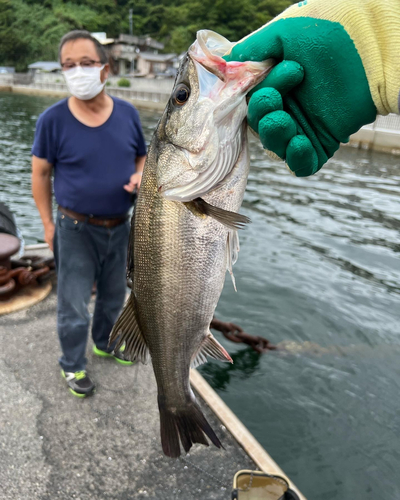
(126, 330)
(232, 250)
(232, 220)
(210, 347)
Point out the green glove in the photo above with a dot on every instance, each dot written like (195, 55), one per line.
(315, 97)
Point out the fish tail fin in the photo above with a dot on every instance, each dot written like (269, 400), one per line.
(188, 425)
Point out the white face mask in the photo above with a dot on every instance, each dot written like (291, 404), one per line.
(84, 83)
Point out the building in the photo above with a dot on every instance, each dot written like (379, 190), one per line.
(149, 64)
(135, 55)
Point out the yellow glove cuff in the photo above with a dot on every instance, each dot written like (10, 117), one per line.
(374, 26)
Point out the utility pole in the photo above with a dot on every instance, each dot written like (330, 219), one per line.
(130, 22)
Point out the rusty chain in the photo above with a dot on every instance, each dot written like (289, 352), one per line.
(25, 271)
(235, 333)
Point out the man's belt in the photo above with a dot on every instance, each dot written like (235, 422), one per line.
(90, 219)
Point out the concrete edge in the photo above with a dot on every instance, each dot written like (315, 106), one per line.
(237, 429)
(38, 246)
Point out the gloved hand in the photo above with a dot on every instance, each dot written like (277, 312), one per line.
(321, 90)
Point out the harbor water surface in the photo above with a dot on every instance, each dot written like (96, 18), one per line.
(319, 275)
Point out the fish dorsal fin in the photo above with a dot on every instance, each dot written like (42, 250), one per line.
(126, 330)
(229, 219)
(232, 250)
(210, 347)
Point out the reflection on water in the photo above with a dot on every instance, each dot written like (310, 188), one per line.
(245, 362)
(318, 268)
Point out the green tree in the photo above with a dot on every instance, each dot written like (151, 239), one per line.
(30, 30)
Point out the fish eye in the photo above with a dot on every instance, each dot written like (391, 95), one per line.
(181, 94)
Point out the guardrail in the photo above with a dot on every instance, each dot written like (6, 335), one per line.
(381, 135)
(139, 94)
(389, 122)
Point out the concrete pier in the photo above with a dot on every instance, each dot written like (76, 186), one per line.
(56, 446)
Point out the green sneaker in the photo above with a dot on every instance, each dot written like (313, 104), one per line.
(118, 356)
(79, 383)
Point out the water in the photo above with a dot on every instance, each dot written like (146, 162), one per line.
(319, 271)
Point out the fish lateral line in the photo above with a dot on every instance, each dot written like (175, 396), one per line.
(232, 220)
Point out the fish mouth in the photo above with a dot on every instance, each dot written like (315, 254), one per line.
(209, 49)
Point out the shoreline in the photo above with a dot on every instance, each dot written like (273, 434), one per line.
(382, 136)
(126, 94)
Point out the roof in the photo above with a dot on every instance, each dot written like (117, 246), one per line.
(149, 56)
(101, 37)
(45, 65)
(107, 41)
(140, 40)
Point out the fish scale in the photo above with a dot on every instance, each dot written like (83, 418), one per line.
(181, 249)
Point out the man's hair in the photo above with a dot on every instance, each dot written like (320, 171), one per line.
(79, 35)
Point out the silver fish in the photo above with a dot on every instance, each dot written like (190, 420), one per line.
(184, 234)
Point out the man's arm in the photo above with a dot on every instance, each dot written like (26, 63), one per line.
(140, 161)
(41, 190)
(136, 178)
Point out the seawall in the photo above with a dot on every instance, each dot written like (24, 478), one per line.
(139, 98)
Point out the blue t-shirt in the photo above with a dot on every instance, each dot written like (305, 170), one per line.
(91, 164)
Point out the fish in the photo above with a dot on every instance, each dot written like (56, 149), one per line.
(184, 232)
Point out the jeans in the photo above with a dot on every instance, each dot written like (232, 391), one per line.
(85, 254)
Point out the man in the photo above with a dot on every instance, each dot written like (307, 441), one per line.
(95, 145)
(337, 67)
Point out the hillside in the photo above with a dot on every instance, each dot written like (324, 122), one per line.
(31, 29)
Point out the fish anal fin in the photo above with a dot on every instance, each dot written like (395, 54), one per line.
(232, 220)
(126, 330)
(212, 348)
